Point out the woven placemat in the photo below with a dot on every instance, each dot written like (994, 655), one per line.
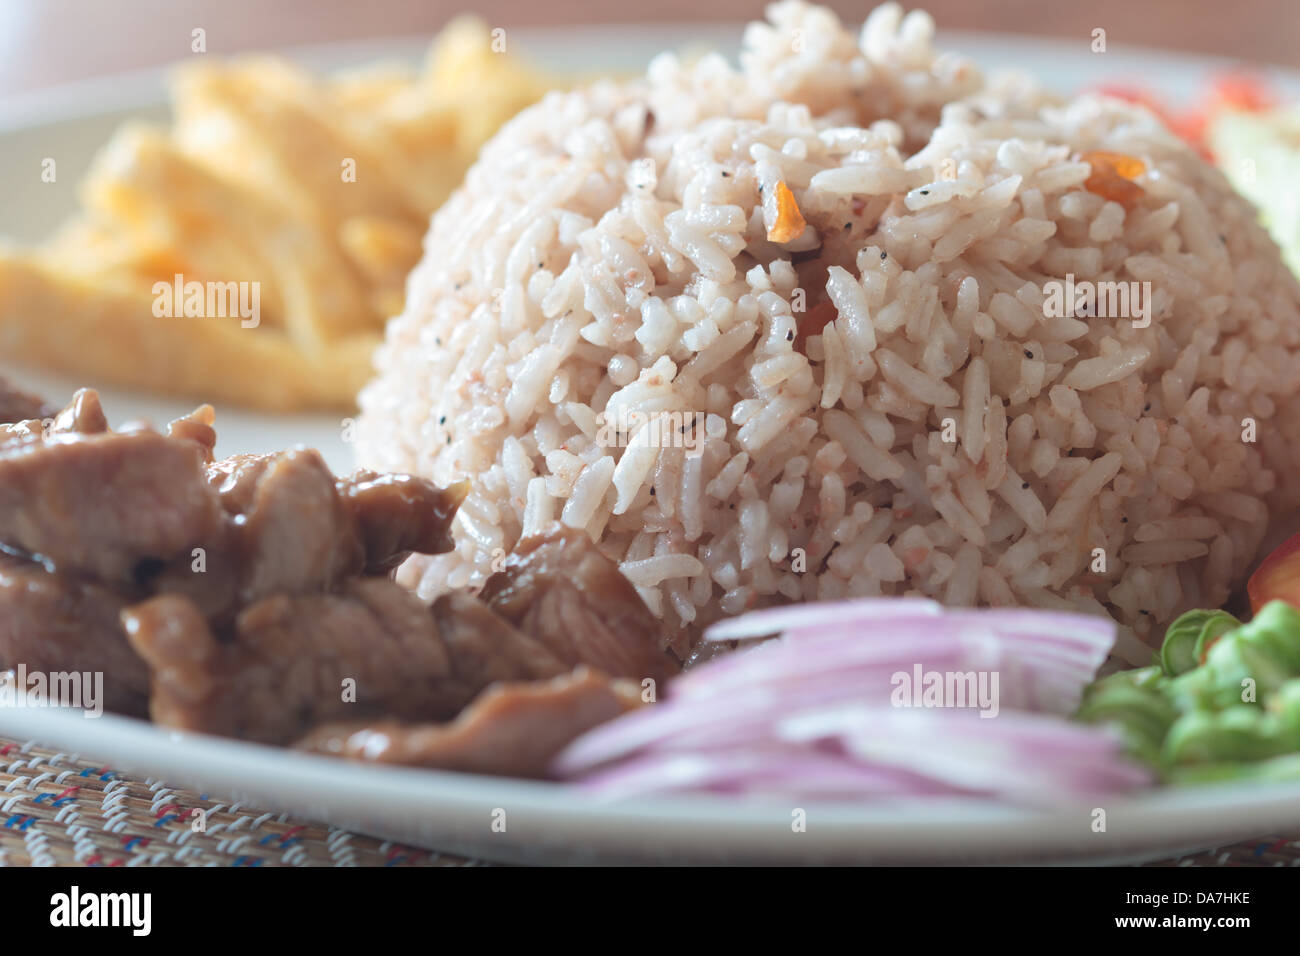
(59, 809)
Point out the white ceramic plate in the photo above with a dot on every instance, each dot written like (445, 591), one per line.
(546, 823)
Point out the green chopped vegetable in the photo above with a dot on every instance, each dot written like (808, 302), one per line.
(1284, 706)
(1137, 708)
(1276, 769)
(1223, 702)
(1244, 732)
(1248, 664)
(1189, 636)
(1137, 677)
(1258, 152)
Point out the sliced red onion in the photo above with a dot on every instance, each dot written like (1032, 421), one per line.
(839, 634)
(768, 771)
(778, 619)
(1040, 769)
(812, 713)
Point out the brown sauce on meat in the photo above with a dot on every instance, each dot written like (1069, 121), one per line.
(512, 729)
(252, 597)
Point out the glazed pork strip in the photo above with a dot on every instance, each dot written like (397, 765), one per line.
(196, 427)
(338, 528)
(93, 521)
(17, 405)
(280, 672)
(288, 625)
(291, 527)
(102, 503)
(297, 536)
(398, 515)
(57, 623)
(287, 666)
(393, 515)
(132, 504)
(511, 729)
(83, 415)
(235, 480)
(560, 589)
(485, 648)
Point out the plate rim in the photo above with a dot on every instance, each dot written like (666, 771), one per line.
(1184, 817)
(1149, 825)
(146, 86)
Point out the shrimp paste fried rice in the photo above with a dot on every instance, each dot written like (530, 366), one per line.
(880, 402)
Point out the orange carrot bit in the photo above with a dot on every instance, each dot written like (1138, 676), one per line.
(1113, 176)
(789, 222)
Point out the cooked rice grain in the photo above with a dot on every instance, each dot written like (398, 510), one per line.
(608, 255)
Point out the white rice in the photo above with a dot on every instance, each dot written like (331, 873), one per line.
(943, 436)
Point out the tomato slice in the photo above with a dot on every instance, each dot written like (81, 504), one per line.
(1242, 90)
(1236, 90)
(1278, 577)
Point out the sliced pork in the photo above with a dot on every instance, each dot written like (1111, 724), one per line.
(195, 427)
(297, 535)
(511, 729)
(235, 479)
(485, 648)
(103, 503)
(293, 662)
(55, 623)
(252, 597)
(17, 405)
(283, 666)
(397, 515)
(93, 521)
(559, 588)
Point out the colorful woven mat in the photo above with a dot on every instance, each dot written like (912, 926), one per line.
(58, 809)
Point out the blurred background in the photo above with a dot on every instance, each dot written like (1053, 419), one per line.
(46, 42)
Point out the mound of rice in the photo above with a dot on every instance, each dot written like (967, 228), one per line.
(943, 435)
